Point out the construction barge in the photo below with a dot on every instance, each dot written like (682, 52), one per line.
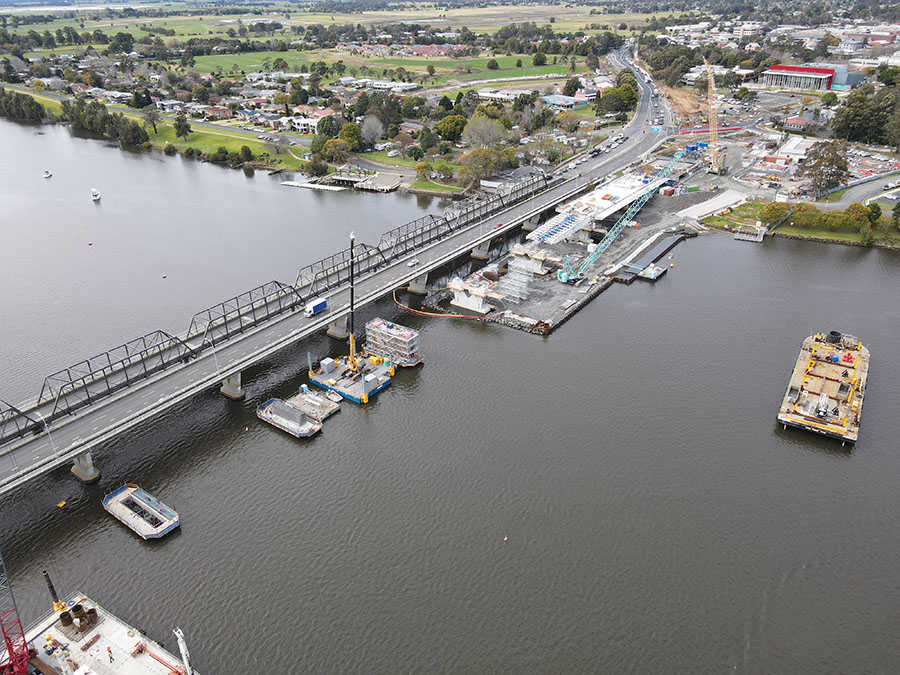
(141, 512)
(826, 391)
(79, 637)
(301, 415)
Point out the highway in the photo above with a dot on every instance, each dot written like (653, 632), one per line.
(65, 438)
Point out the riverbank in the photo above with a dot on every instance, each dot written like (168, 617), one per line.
(202, 142)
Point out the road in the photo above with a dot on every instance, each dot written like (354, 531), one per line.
(102, 421)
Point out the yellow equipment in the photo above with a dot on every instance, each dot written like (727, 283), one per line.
(716, 160)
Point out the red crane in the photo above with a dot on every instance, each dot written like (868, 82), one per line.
(15, 660)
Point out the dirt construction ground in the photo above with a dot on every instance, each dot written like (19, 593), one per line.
(686, 103)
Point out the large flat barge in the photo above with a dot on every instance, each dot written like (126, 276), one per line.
(300, 415)
(826, 391)
(80, 637)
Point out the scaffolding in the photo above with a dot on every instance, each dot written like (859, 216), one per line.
(393, 342)
(514, 285)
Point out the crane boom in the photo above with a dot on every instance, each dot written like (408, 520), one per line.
(15, 660)
(715, 158)
(567, 275)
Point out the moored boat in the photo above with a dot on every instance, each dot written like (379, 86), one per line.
(95, 194)
(47, 174)
(141, 512)
(826, 391)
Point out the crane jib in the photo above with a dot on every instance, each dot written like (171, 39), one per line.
(568, 275)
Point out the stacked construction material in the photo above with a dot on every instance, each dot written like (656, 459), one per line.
(393, 342)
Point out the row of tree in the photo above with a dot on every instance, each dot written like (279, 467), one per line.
(21, 107)
(94, 117)
(868, 221)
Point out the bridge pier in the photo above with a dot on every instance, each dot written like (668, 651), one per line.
(231, 387)
(339, 329)
(481, 251)
(419, 285)
(531, 223)
(84, 470)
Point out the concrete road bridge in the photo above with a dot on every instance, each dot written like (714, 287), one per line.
(91, 402)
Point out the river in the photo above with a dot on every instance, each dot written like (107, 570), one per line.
(657, 520)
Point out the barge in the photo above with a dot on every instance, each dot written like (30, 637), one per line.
(826, 391)
(141, 512)
(301, 415)
(79, 636)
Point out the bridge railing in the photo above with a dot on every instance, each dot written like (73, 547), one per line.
(226, 319)
(103, 375)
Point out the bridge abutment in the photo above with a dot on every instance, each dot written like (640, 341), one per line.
(481, 251)
(84, 470)
(339, 328)
(231, 387)
(419, 285)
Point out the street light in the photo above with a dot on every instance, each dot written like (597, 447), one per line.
(47, 427)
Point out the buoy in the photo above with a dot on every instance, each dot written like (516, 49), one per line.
(90, 243)
(164, 276)
(246, 428)
(672, 265)
(61, 504)
(505, 538)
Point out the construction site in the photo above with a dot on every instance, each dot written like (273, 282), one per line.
(616, 233)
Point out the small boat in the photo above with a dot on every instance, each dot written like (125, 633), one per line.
(333, 396)
(141, 512)
(47, 174)
(95, 194)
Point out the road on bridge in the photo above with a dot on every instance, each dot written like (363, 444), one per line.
(66, 438)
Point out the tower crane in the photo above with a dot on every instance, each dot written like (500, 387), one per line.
(15, 660)
(716, 159)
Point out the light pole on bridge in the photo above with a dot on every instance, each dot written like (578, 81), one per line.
(47, 427)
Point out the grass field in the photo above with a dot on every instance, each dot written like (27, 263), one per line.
(382, 158)
(478, 19)
(437, 187)
(821, 234)
(741, 217)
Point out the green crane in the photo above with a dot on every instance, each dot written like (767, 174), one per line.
(568, 275)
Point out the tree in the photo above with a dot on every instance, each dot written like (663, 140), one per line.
(246, 153)
(182, 126)
(829, 98)
(628, 96)
(423, 170)
(451, 127)
(572, 85)
(774, 212)
(415, 152)
(874, 212)
(430, 70)
(316, 166)
(518, 63)
(336, 150)
(350, 133)
(328, 127)
(371, 130)
(896, 212)
(825, 165)
(539, 59)
(483, 132)
(493, 65)
(151, 116)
